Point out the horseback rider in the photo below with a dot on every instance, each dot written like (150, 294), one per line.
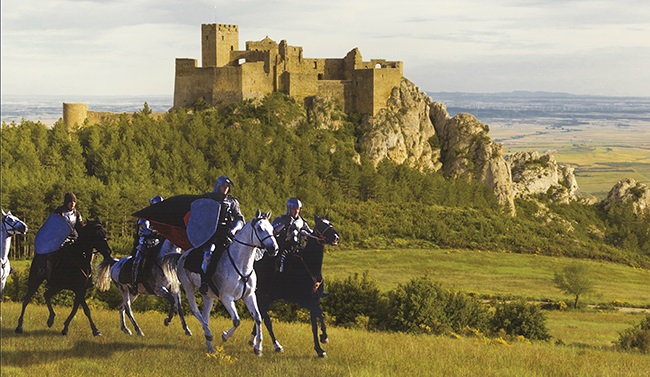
(229, 222)
(145, 237)
(290, 229)
(70, 213)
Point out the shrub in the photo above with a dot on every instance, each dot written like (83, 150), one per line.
(636, 337)
(414, 307)
(353, 297)
(520, 318)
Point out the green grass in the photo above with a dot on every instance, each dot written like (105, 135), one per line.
(166, 351)
(489, 273)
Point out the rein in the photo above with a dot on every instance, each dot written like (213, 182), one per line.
(317, 283)
(246, 277)
(321, 238)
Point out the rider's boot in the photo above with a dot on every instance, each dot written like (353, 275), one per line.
(134, 273)
(280, 261)
(205, 276)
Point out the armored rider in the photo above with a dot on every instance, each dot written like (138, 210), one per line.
(69, 211)
(144, 237)
(290, 229)
(229, 222)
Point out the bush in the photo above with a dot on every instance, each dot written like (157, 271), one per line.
(351, 298)
(520, 318)
(414, 307)
(636, 337)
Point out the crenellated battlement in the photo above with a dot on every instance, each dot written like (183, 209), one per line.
(228, 75)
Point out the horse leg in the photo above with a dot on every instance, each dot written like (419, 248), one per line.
(164, 293)
(264, 312)
(229, 303)
(181, 315)
(126, 307)
(313, 314)
(32, 288)
(48, 299)
(251, 304)
(122, 319)
(86, 310)
(75, 307)
(323, 336)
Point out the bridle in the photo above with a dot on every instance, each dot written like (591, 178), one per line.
(9, 227)
(261, 240)
(321, 236)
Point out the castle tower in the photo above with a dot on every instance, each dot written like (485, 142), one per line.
(74, 114)
(217, 41)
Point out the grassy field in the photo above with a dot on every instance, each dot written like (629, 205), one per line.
(602, 155)
(166, 351)
(502, 274)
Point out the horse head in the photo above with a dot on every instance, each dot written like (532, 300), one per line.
(94, 236)
(13, 225)
(264, 232)
(325, 232)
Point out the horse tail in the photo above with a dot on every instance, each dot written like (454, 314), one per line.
(104, 274)
(169, 265)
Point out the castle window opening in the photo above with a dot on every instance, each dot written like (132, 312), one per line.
(315, 65)
(222, 38)
(377, 66)
(241, 61)
(320, 76)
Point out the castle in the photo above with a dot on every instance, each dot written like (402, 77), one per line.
(228, 75)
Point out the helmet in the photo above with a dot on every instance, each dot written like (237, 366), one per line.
(222, 180)
(143, 224)
(156, 199)
(293, 203)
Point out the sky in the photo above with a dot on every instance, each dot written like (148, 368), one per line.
(129, 47)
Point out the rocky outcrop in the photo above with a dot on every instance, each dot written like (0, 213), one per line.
(466, 151)
(402, 132)
(534, 174)
(629, 191)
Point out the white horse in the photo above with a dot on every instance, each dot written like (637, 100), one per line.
(11, 226)
(156, 280)
(234, 278)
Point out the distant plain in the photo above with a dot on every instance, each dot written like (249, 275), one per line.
(606, 139)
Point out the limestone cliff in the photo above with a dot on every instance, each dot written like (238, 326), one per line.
(534, 174)
(467, 151)
(402, 132)
(629, 190)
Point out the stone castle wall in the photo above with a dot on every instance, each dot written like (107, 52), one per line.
(228, 75)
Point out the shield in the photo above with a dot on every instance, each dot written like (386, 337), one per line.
(51, 235)
(203, 220)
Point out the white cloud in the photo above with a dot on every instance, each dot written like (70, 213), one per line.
(129, 46)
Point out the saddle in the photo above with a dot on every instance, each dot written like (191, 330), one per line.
(144, 272)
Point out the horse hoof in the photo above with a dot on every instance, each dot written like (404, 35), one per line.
(250, 343)
(322, 354)
(324, 339)
(258, 352)
(279, 349)
(188, 332)
(224, 336)
(167, 321)
(97, 333)
(50, 322)
(64, 332)
(19, 330)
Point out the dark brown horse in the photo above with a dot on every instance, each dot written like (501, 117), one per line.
(301, 282)
(67, 268)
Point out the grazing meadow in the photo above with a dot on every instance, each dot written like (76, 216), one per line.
(582, 341)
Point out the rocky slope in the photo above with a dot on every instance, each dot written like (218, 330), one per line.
(629, 190)
(415, 130)
(403, 131)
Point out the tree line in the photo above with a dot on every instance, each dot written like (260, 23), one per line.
(273, 150)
